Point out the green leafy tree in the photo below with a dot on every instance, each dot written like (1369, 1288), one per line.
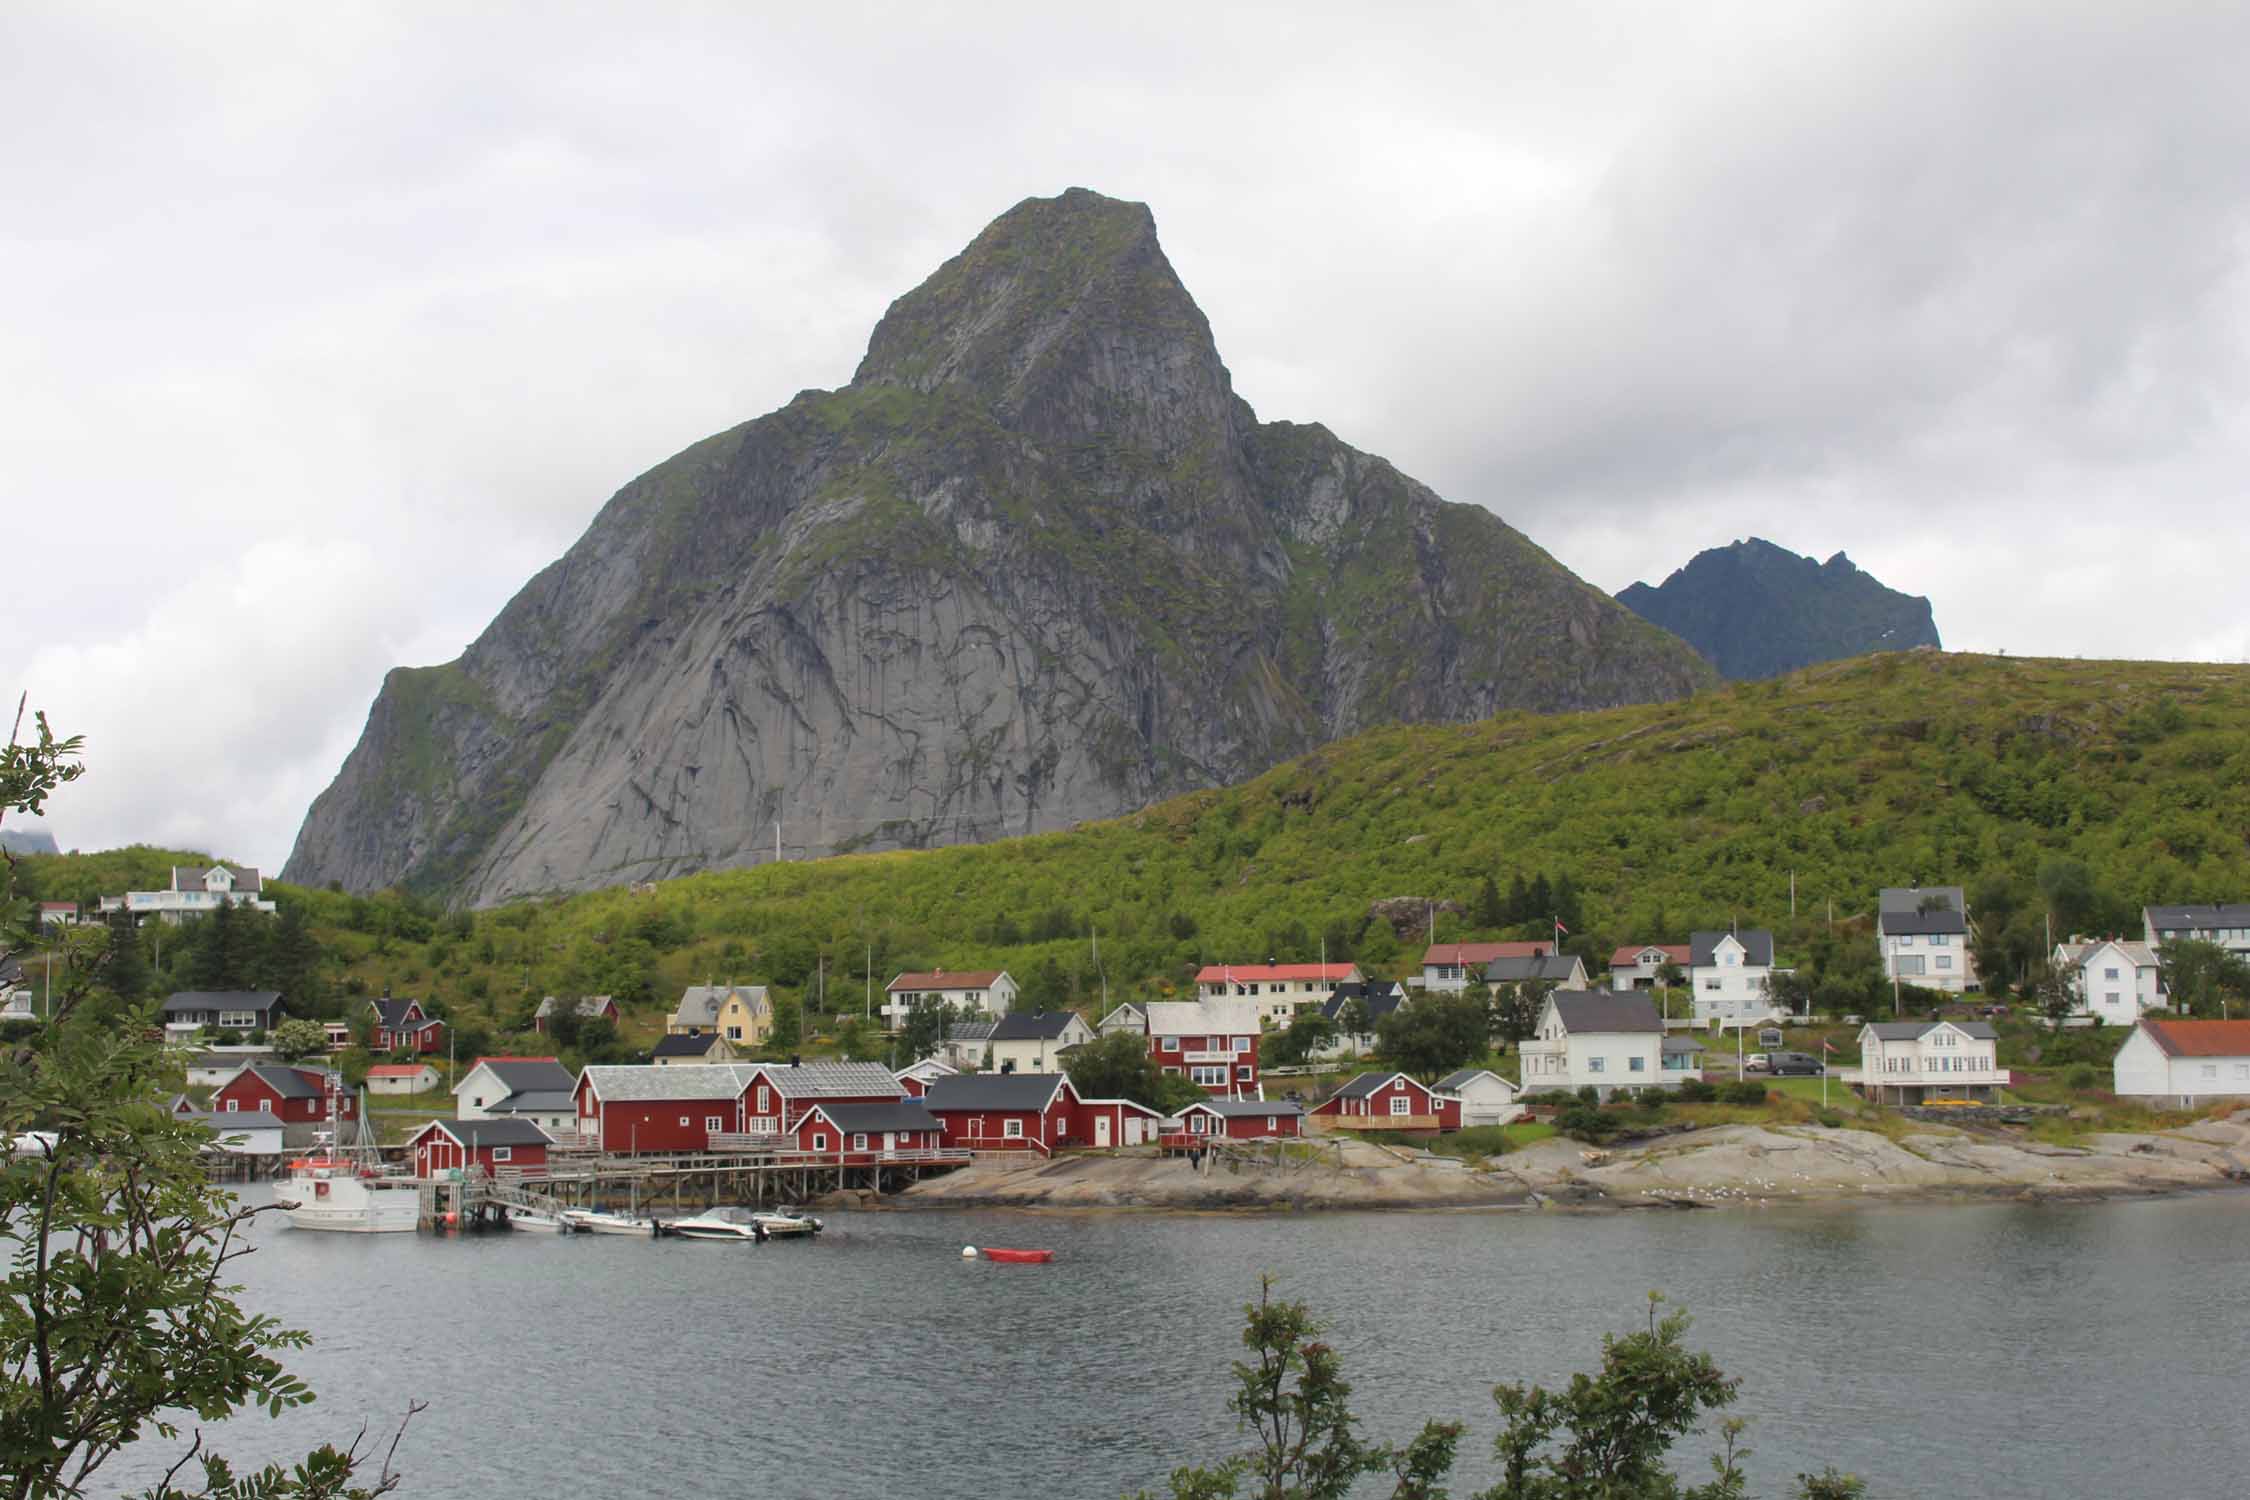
(1433, 1036)
(293, 963)
(1291, 1396)
(1306, 1032)
(115, 1315)
(1489, 914)
(1514, 1011)
(294, 1039)
(1118, 1066)
(126, 973)
(926, 1026)
(2204, 979)
(1607, 1436)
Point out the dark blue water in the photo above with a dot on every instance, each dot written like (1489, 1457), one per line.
(1957, 1351)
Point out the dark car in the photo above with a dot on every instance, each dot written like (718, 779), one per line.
(1800, 1063)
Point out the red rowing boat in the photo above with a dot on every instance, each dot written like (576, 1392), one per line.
(1023, 1257)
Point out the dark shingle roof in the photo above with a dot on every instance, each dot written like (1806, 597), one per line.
(531, 1075)
(1032, 1025)
(1910, 897)
(188, 1002)
(1917, 922)
(392, 1013)
(1585, 1011)
(1379, 997)
(685, 1046)
(291, 1083)
(1460, 1079)
(1757, 946)
(477, 1133)
(1245, 1108)
(1907, 1031)
(992, 1091)
(1682, 1046)
(872, 1119)
(536, 1102)
(2186, 918)
(1366, 1084)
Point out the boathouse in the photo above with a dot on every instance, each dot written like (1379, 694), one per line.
(1244, 1119)
(777, 1096)
(860, 1131)
(1003, 1111)
(295, 1096)
(666, 1110)
(499, 1146)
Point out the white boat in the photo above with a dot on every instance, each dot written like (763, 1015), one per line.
(540, 1223)
(347, 1192)
(730, 1223)
(588, 1221)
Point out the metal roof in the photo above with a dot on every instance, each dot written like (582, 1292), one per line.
(1556, 967)
(1366, 1084)
(527, 1074)
(2191, 918)
(290, 1083)
(1906, 923)
(1910, 897)
(993, 1091)
(535, 1102)
(1033, 1025)
(870, 1119)
(686, 1046)
(689, 1081)
(1245, 1108)
(200, 1000)
(479, 1133)
(1204, 1017)
(816, 1080)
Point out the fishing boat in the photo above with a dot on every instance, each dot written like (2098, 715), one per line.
(592, 1221)
(342, 1188)
(1018, 1257)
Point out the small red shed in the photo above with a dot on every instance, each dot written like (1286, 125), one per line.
(516, 1146)
(1244, 1119)
(1389, 1101)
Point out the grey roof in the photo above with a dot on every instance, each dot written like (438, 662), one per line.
(1365, 1084)
(904, 1114)
(590, 1006)
(2185, 918)
(1682, 1046)
(530, 1075)
(1585, 1011)
(1907, 1031)
(971, 1031)
(231, 1123)
(392, 1013)
(289, 1083)
(1910, 897)
(692, 1081)
(188, 1002)
(1379, 996)
(1460, 1079)
(992, 1091)
(190, 877)
(1245, 1108)
(686, 1046)
(817, 1080)
(1914, 923)
(699, 1003)
(1032, 1025)
(1548, 967)
(475, 1133)
(535, 1102)
(1757, 946)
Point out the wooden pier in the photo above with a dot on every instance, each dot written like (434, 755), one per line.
(674, 1185)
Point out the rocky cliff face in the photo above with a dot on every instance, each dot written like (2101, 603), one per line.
(1036, 563)
(1757, 610)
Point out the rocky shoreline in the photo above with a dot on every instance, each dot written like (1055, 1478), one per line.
(1732, 1166)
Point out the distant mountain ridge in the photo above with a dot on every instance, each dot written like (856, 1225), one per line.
(1757, 610)
(28, 841)
(1036, 563)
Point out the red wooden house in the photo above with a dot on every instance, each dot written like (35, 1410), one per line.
(498, 1146)
(1212, 1042)
(1388, 1101)
(1244, 1119)
(298, 1096)
(402, 1026)
(778, 1096)
(864, 1132)
(1004, 1111)
(665, 1110)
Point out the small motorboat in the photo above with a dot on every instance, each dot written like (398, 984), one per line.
(788, 1222)
(589, 1221)
(1018, 1257)
(718, 1224)
(532, 1219)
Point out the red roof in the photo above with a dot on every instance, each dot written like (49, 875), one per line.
(938, 979)
(510, 1057)
(396, 1070)
(58, 906)
(1253, 973)
(1679, 953)
(1484, 953)
(2199, 1038)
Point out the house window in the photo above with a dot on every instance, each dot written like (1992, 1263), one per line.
(683, 1119)
(1242, 1044)
(2210, 1070)
(1401, 1105)
(1244, 1072)
(1273, 1122)
(1711, 984)
(503, 1153)
(1209, 1077)
(1945, 961)
(1012, 1129)
(734, 1033)
(819, 1141)
(1168, 1044)
(2109, 973)
(762, 1099)
(1906, 940)
(714, 1122)
(1198, 1125)
(1597, 1064)
(859, 1140)
(233, 1105)
(1637, 1065)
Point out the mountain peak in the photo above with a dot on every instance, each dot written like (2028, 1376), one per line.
(1066, 317)
(1755, 609)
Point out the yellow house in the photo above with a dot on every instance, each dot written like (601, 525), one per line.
(746, 1016)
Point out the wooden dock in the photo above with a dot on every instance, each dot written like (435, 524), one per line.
(673, 1185)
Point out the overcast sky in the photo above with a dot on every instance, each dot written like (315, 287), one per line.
(326, 325)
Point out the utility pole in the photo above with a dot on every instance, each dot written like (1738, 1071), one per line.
(870, 1007)
(777, 841)
(1792, 895)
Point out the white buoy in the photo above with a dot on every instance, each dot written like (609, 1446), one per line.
(968, 1252)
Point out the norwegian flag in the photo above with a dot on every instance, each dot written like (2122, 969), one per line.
(1827, 1046)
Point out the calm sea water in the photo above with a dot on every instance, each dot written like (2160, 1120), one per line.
(1942, 1351)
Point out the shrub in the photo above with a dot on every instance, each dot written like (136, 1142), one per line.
(1583, 1122)
(2081, 1076)
(1746, 1091)
(1696, 1091)
(1588, 1094)
(1829, 1118)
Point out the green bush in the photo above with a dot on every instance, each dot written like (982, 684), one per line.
(1588, 1094)
(1829, 1118)
(1745, 1091)
(1583, 1122)
(1481, 1140)
(2081, 1076)
(1696, 1091)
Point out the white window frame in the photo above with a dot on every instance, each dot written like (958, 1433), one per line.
(503, 1153)
(1401, 1104)
(1242, 1044)
(714, 1123)
(1011, 1129)
(1167, 1044)
(859, 1140)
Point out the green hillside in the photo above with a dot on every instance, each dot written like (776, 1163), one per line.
(2081, 789)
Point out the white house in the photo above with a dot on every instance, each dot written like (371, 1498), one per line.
(537, 1089)
(1906, 1062)
(968, 1044)
(196, 891)
(1729, 976)
(971, 992)
(1033, 1041)
(1126, 1017)
(401, 1078)
(1637, 968)
(1375, 998)
(2228, 925)
(1281, 990)
(1596, 1037)
(1923, 932)
(2183, 1064)
(2113, 979)
(1565, 971)
(1486, 1098)
(1451, 966)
